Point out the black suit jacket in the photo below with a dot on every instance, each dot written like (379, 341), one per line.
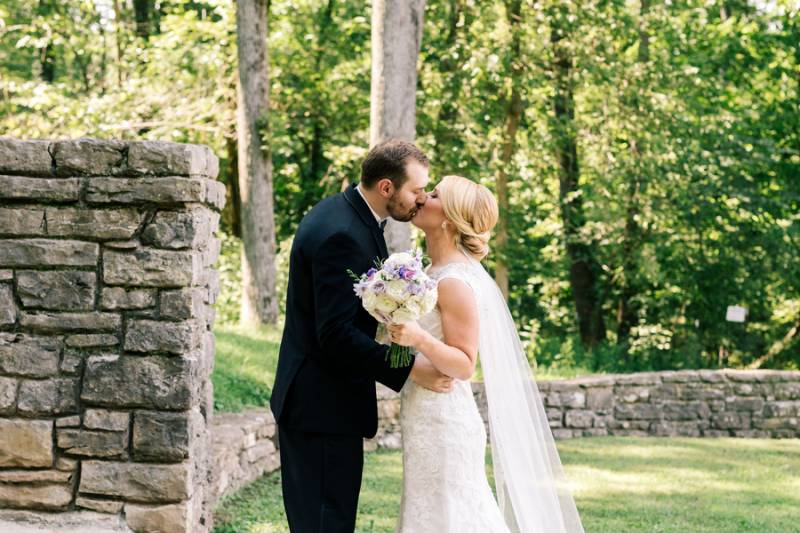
(329, 361)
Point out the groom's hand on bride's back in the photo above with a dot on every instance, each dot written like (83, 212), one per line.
(425, 374)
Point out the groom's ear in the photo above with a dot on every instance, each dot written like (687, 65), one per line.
(385, 187)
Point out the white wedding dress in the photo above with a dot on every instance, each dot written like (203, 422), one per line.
(445, 486)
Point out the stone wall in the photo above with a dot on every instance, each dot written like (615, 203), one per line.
(106, 284)
(691, 403)
(245, 447)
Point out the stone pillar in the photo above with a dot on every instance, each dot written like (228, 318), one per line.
(107, 280)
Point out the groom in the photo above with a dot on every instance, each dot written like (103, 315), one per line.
(324, 393)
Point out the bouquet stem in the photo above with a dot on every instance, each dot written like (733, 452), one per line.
(399, 356)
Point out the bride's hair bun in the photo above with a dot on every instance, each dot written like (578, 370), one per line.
(472, 208)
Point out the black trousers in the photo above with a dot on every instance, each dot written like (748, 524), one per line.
(321, 480)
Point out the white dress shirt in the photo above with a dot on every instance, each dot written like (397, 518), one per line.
(379, 219)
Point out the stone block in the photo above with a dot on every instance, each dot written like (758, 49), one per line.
(71, 363)
(161, 336)
(101, 506)
(782, 408)
(163, 436)
(159, 191)
(87, 156)
(578, 419)
(145, 482)
(8, 395)
(214, 193)
(45, 497)
(180, 229)
(116, 298)
(68, 421)
(151, 268)
(26, 443)
(91, 340)
(168, 158)
(213, 248)
(47, 252)
(600, 399)
(66, 463)
(40, 189)
(642, 378)
(35, 476)
(19, 222)
(25, 156)
(48, 321)
(106, 419)
(711, 376)
(48, 397)
(574, 399)
(172, 518)
(8, 307)
(92, 443)
(665, 428)
(57, 289)
(685, 410)
(93, 223)
(29, 355)
(644, 411)
(727, 420)
(752, 404)
(632, 394)
(154, 382)
(128, 244)
(679, 376)
(185, 303)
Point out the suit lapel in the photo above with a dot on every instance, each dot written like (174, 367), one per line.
(357, 202)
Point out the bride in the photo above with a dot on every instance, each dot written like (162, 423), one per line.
(445, 488)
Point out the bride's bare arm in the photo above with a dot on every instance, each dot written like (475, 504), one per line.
(457, 355)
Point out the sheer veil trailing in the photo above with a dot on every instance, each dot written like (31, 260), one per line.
(531, 487)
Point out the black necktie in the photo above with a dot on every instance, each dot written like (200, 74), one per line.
(383, 223)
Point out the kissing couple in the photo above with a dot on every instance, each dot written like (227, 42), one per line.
(324, 397)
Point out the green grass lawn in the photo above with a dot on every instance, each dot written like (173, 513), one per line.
(244, 367)
(621, 484)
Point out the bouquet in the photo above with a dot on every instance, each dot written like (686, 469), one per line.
(397, 291)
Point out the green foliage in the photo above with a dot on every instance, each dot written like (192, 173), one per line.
(685, 116)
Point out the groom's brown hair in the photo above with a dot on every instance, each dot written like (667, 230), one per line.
(388, 160)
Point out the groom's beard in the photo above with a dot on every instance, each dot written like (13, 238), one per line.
(401, 212)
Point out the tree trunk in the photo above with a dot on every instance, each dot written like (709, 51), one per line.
(48, 64)
(259, 300)
(450, 69)
(118, 37)
(583, 267)
(512, 119)
(232, 212)
(627, 311)
(142, 10)
(396, 38)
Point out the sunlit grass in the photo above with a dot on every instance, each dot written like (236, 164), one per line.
(244, 367)
(620, 484)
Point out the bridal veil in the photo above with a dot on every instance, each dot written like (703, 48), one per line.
(531, 487)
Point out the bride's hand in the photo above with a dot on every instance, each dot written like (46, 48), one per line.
(408, 334)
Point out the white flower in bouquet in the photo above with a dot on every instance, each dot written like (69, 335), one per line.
(397, 292)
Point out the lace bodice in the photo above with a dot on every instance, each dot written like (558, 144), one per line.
(432, 322)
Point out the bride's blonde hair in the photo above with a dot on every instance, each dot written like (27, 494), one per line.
(472, 209)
